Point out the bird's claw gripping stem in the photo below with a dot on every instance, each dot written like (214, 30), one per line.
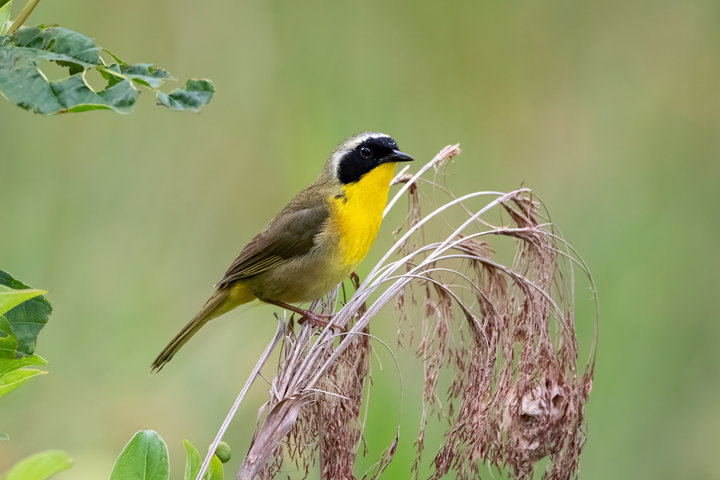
(315, 319)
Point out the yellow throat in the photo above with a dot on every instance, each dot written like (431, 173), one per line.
(357, 215)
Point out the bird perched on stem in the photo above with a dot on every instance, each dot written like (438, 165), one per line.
(314, 242)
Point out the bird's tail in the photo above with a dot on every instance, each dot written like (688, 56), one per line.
(223, 300)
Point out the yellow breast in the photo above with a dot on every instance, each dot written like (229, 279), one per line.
(357, 214)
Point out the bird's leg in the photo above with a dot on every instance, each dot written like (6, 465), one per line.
(315, 319)
(355, 280)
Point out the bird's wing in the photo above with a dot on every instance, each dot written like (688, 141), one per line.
(290, 234)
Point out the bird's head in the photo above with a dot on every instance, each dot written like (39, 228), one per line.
(362, 153)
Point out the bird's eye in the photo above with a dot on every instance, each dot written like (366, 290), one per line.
(366, 152)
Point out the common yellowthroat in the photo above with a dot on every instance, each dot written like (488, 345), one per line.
(314, 243)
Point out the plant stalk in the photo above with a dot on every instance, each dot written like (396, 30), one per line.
(24, 14)
(263, 358)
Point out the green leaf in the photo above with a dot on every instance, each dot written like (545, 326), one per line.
(58, 43)
(215, 472)
(5, 22)
(8, 342)
(10, 364)
(40, 466)
(12, 361)
(22, 81)
(193, 462)
(13, 379)
(196, 94)
(25, 320)
(10, 298)
(4, 436)
(77, 96)
(145, 457)
(143, 73)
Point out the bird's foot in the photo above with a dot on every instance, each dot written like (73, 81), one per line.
(315, 319)
(319, 320)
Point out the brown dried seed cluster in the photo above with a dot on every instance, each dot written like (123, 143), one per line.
(520, 398)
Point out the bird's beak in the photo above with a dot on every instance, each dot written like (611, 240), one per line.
(397, 156)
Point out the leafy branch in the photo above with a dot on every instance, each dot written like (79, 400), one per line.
(23, 312)
(22, 81)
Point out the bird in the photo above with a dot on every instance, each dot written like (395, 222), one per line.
(314, 243)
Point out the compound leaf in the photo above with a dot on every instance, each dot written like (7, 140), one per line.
(23, 82)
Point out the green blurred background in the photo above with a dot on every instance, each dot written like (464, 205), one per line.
(609, 110)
